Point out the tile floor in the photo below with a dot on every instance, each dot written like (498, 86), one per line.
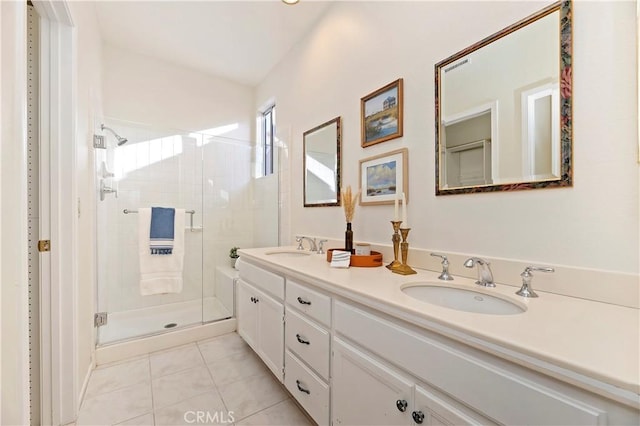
(215, 381)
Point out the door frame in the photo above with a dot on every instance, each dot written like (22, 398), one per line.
(58, 223)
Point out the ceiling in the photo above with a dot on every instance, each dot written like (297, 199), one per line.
(236, 39)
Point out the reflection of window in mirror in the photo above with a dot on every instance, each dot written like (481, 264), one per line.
(541, 132)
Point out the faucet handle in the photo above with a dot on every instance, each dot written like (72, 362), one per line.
(320, 246)
(445, 267)
(526, 290)
(299, 241)
(528, 269)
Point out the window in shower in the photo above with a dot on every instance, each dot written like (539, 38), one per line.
(268, 136)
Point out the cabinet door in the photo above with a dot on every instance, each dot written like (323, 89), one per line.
(432, 410)
(366, 392)
(271, 333)
(247, 314)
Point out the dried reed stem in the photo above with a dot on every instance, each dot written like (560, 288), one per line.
(349, 203)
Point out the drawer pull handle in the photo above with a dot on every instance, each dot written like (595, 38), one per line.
(301, 389)
(303, 302)
(402, 405)
(418, 417)
(301, 340)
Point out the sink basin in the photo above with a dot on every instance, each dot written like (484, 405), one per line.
(462, 299)
(288, 253)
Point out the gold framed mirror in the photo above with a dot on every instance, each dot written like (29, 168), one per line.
(321, 164)
(504, 109)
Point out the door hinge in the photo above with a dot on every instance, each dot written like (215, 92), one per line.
(99, 319)
(44, 245)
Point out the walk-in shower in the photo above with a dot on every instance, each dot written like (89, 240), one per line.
(210, 178)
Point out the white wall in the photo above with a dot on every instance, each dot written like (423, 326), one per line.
(360, 46)
(156, 93)
(14, 361)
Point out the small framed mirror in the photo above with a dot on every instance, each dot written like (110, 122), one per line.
(321, 164)
(504, 109)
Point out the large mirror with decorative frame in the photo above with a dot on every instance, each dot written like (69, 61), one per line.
(321, 164)
(503, 109)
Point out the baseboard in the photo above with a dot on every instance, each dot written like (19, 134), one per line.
(142, 346)
(85, 384)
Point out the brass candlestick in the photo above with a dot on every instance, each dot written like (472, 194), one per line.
(404, 269)
(396, 245)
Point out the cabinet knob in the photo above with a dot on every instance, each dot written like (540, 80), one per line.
(301, 389)
(301, 340)
(303, 302)
(402, 405)
(418, 417)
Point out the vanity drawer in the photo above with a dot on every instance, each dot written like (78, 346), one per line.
(309, 341)
(263, 279)
(307, 388)
(312, 303)
(476, 380)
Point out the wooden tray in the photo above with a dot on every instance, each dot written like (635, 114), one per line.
(371, 261)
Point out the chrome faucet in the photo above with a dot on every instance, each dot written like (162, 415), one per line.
(526, 290)
(445, 267)
(485, 276)
(312, 243)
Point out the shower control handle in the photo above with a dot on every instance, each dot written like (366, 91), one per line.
(104, 190)
(254, 299)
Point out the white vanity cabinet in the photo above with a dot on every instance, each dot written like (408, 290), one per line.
(307, 341)
(261, 315)
(349, 361)
(365, 391)
(368, 391)
(474, 387)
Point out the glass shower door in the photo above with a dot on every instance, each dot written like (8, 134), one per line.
(153, 168)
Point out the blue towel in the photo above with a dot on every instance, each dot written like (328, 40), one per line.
(162, 230)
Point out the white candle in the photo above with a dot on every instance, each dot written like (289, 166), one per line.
(404, 211)
(395, 216)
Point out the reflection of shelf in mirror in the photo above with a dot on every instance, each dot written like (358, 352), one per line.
(468, 164)
(469, 145)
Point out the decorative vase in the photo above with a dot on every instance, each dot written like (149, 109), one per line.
(348, 238)
(233, 262)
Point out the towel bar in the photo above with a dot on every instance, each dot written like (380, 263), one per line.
(191, 212)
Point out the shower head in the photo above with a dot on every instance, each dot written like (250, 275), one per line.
(121, 140)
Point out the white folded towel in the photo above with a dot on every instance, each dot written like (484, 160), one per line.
(160, 274)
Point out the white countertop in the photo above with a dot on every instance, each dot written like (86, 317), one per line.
(592, 339)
